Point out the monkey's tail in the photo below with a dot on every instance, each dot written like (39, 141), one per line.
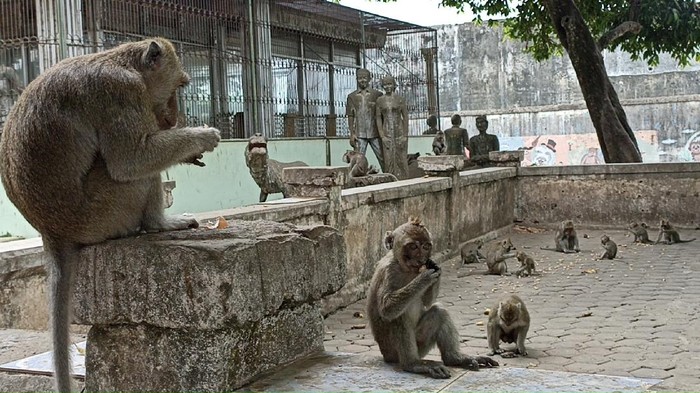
(61, 261)
(549, 249)
(685, 241)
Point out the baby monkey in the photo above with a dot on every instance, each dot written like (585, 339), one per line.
(509, 322)
(527, 264)
(668, 234)
(609, 246)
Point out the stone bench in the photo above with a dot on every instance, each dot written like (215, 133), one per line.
(204, 310)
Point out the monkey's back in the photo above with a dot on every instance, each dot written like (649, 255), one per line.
(50, 143)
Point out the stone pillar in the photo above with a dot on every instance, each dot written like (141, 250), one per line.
(508, 158)
(448, 166)
(312, 182)
(331, 125)
(204, 310)
(429, 55)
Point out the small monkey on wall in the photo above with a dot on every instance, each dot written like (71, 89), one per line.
(81, 155)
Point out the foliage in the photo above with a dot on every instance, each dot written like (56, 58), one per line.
(671, 26)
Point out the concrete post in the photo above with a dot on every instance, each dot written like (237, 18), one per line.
(448, 166)
(321, 182)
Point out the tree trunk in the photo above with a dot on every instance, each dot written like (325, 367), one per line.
(617, 141)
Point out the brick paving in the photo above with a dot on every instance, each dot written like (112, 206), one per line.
(636, 316)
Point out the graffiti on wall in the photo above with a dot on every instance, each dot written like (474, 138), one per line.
(583, 149)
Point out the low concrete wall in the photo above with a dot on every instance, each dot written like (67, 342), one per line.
(611, 195)
(486, 204)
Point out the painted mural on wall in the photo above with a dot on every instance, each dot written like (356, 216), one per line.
(583, 149)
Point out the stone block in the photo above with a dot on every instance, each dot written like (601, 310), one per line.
(433, 164)
(510, 158)
(145, 358)
(314, 181)
(205, 309)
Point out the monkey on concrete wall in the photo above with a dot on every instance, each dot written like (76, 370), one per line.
(640, 233)
(610, 247)
(358, 164)
(81, 155)
(565, 239)
(509, 322)
(404, 318)
(668, 234)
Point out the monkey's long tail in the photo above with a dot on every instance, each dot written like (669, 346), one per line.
(62, 258)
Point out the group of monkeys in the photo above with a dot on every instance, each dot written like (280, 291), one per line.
(407, 323)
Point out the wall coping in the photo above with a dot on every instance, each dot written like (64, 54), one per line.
(485, 175)
(610, 169)
(354, 197)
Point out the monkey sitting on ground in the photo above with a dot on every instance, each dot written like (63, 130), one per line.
(527, 264)
(509, 322)
(640, 233)
(668, 234)
(496, 256)
(358, 164)
(609, 246)
(81, 155)
(470, 252)
(565, 239)
(439, 146)
(404, 318)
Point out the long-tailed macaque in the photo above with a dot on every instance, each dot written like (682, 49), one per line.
(404, 318)
(668, 234)
(496, 256)
(640, 233)
(509, 322)
(527, 264)
(610, 247)
(565, 239)
(81, 156)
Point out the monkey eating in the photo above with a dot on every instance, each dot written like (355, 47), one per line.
(527, 264)
(496, 256)
(668, 234)
(609, 246)
(565, 239)
(358, 164)
(403, 316)
(640, 233)
(509, 322)
(470, 252)
(86, 142)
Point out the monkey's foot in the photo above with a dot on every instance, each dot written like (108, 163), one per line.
(485, 361)
(174, 223)
(509, 355)
(433, 369)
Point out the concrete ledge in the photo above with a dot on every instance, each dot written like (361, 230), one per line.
(355, 197)
(283, 210)
(617, 169)
(486, 175)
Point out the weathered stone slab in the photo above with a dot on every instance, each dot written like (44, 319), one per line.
(206, 309)
(370, 180)
(208, 279)
(314, 181)
(506, 158)
(441, 163)
(146, 358)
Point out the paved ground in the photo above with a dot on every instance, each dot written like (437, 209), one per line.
(636, 316)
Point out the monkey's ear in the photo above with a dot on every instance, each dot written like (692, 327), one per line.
(153, 56)
(389, 240)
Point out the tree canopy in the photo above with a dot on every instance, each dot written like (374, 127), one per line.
(642, 28)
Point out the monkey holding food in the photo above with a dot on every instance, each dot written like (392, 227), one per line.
(610, 247)
(509, 322)
(85, 144)
(640, 233)
(527, 264)
(403, 316)
(565, 239)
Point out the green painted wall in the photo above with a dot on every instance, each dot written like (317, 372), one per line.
(224, 182)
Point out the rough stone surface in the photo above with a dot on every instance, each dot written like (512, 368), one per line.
(205, 310)
(314, 181)
(509, 158)
(441, 163)
(152, 359)
(370, 180)
(208, 279)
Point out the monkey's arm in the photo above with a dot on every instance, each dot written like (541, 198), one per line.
(135, 150)
(431, 294)
(393, 302)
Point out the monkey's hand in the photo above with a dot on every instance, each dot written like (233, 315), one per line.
(472, 362)
(195, 160)
(432, 265)
(521, 353)
(428, 277)
(207, 138)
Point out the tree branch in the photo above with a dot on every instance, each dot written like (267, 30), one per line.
(629, 27)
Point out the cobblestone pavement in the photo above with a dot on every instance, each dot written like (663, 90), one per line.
(636, 316)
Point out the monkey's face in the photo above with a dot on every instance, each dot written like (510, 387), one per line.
(568, 228)
(411, 245)
(509, 313)
(665, 224)
(507, 245)
(604, 239)
(520, 256)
